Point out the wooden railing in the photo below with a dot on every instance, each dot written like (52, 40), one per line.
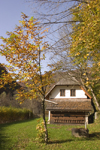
(69, 121)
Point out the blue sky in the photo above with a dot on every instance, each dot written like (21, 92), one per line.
(10, 14)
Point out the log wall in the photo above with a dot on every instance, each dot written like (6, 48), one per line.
(67, 117)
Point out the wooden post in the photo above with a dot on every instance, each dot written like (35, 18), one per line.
(49, 117)
(96, 115)
(86, 120)
(85, 125)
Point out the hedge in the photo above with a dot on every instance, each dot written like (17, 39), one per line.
(10, 114)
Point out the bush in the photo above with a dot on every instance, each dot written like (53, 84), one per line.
(10, 114)
(40, 131)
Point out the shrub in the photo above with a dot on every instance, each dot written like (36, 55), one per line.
(10, 114)
(40, 131)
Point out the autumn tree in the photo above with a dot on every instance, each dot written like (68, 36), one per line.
(85, 43)
(25, 49)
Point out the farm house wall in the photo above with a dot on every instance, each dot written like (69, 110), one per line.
(55, 93)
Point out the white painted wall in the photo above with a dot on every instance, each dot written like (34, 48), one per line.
(56, 92)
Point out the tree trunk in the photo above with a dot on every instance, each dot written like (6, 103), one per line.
(45, 126)
(94, 97)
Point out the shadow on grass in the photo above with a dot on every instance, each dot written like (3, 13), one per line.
(92, 136)
(95, 135)
(4, 139)
(60, 141)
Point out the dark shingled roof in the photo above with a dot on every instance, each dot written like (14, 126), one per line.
(70, 104)
(68, 81)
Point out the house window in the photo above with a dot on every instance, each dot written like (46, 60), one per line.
(72, 92)
(62, 92)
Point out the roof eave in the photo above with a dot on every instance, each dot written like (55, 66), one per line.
(69, 110)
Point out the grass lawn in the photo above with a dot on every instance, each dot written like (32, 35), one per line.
(22, 135)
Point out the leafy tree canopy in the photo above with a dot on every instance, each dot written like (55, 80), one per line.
(25, 49)
(85, 47)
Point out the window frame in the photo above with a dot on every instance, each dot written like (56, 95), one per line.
(72, 92)
(62, 92)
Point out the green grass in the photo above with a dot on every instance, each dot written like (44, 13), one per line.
(22, 135)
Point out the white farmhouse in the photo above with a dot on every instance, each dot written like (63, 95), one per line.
(71, 103)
